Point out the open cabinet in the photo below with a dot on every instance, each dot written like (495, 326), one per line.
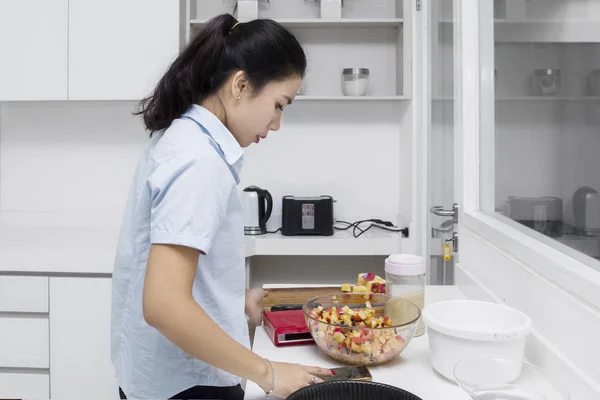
(358, 149)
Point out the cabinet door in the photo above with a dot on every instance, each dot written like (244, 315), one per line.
(33, 43)
(119, 49)
(80, 363)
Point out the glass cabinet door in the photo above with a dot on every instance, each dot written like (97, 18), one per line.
(540, 120)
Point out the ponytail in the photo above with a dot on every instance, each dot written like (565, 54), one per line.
(188, 77)
(262, 48)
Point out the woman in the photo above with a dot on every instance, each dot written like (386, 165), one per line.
(179, 328)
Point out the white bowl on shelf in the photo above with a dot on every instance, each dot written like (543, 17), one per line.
(465, 328)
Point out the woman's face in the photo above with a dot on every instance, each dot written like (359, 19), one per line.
(251, 116)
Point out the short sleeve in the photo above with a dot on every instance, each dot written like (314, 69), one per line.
(189, 197)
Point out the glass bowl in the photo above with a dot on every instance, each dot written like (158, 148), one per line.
(376, 341)
(492, 378)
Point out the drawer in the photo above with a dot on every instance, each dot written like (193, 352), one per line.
(24, 294)
(30, 386)
(24, 342)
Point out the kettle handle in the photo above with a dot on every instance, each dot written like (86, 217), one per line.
(269, 209)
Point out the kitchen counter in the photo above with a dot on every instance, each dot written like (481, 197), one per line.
(50, 243)
(411, 371)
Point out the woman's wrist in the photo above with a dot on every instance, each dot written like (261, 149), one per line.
(264, 375)
(271, 390)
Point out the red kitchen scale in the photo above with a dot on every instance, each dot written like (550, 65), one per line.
(286, 327)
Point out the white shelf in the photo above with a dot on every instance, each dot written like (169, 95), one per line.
(328, 23)
(86, 244)
(342, 243)
(351, 98)
(549, 98)
(543, 31)
(537, 98)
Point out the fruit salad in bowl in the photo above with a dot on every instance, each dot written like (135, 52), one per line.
(357, 328)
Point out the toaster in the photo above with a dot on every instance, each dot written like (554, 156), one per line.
(307, 216)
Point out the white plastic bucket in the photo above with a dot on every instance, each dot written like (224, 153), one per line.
(463, 329)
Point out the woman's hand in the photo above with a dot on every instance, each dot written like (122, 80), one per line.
(292, 377)
(255, 305)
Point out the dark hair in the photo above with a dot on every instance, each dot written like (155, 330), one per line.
(262, 48)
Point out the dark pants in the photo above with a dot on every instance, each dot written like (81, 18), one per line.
(206, 392)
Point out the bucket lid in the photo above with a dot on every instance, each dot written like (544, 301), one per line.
(405, 264)
(477, 320)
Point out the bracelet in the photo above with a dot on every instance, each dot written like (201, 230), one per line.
(272, 391)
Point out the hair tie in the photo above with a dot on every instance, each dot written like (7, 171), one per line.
(234, 25)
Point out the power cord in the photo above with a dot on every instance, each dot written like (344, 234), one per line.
(375, 222)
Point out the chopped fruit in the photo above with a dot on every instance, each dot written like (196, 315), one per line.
(367, 297)
(368, 304)
(339, 337)
(367, 348)
(356, 347)
(319, 309)
(361, 281)
(376, 287)
(357, 335)
(360, 289)
(357, 340)
(369, 276)
(346, 287)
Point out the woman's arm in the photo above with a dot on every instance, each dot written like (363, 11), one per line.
(170, 308)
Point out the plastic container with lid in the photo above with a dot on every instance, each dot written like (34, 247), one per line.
(355, 81)
(405, 278)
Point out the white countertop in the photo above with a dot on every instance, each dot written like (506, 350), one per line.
(412, 370)
(46, 243)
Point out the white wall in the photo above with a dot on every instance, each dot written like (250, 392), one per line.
(363, 162)
(67, 157)
(80, 156)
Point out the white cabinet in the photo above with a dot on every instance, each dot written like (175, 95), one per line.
(24, 342)
(24, 294)
(33, 49)
(25, 385)
(80, 339)
(119, 49)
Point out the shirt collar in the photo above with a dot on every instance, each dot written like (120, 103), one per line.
(231, 148)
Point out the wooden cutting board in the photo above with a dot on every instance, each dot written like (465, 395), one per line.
(296, 295)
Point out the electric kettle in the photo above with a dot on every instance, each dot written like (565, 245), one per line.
(257, 204)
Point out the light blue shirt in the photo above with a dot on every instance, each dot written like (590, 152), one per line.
(183, 193)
